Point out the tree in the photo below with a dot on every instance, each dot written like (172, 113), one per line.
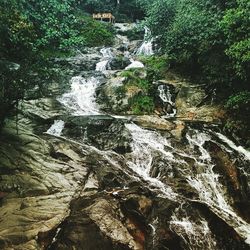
(236, 27)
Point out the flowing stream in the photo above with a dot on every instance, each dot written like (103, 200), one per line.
(107, 55)
(146, 47)
(156, 160)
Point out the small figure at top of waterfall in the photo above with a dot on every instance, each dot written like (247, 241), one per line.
(147, 46)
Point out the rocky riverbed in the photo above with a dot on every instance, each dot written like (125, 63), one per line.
(79, 171)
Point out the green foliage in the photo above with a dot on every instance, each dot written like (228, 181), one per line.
(141, 104)
(205, 39)
(239, 101)
(125, 11)
(16, 33)
(120, 92)
(236, 27)
(30, 33)
(60, 24)
(133, 78)
(95, 33)
(156, 66)
(160, 15)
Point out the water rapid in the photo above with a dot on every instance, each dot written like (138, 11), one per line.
(164, 164)
(81, 99)
(107, 55)
(146, 47)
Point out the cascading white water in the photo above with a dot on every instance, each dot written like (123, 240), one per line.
(104, 63)
(102, 66)
(209, 188)
(106, 53)
(232, 145)
(196, 235)
(166, 97)
(81, 98)
(57, 128)
(147, 46)
(145, 145)
(148, 146)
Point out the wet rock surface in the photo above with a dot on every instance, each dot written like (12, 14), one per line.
(103, 132)
(127, 182)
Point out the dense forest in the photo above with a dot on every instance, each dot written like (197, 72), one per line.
(207, 40)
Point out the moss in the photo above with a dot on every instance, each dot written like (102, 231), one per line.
(141, 104)
(134, 78)
(120, 92)
(156, 66)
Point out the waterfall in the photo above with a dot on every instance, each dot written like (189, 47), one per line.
(81, 98)
(147, 46)
(160, 162)
(209, 188)
(148, 145)
(232, 145)
(196, 235)
(166, 97)
(145, 145)
(56, 128)
(107, 55)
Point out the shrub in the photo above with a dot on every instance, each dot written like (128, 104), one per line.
(156, 66)
(142, 104)
(239, 102)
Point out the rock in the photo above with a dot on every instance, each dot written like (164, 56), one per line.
(153, 122)
(80, 62)
(104, 132)
(39, 190)
(119, 63)
(41, 109)
(179, 130)
(112, 97)
(110, 225)
(226, 167)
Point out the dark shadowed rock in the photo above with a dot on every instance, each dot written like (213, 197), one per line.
(104, 132)
(119, 63)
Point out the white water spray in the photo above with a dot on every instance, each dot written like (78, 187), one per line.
(57, 128)
(209, 188)
(196, 235)
(81, 98)
(107, 55)
(147, 46)
(232, 145)
(166, 97)
(134, 64)
(145, 144)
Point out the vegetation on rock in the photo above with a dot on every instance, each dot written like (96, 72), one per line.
(33, 31)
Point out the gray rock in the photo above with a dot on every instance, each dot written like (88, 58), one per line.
(103, 132)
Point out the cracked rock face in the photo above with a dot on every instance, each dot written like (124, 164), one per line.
(38, 187)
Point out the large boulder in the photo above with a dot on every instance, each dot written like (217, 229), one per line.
(102, 131)
(119, 62)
